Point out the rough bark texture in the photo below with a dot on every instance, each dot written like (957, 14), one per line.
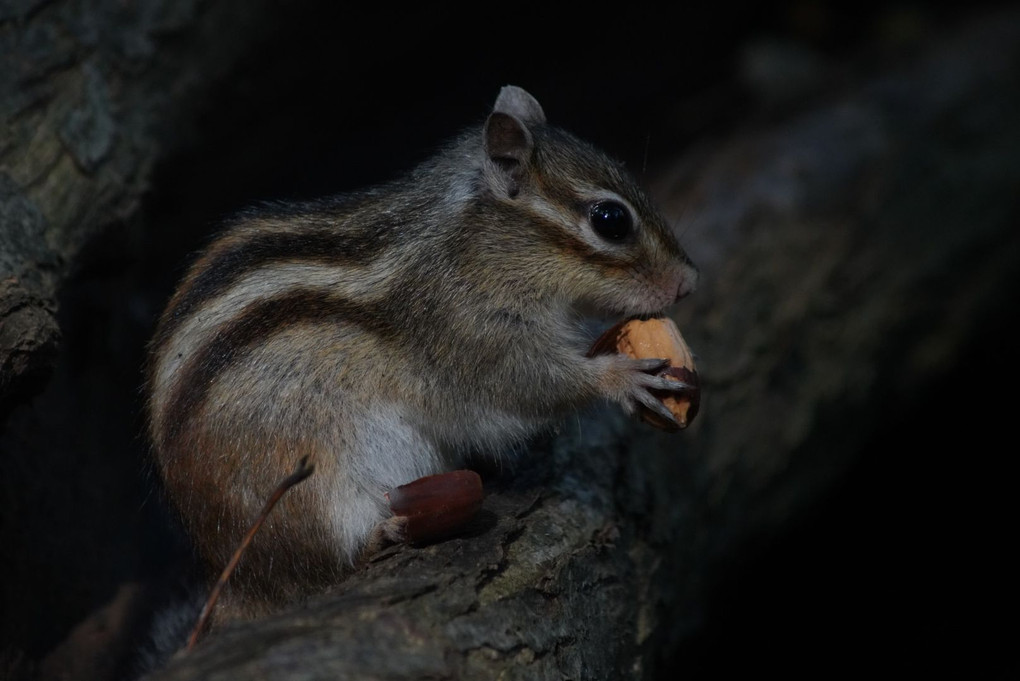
(855, 243)
(90, 94)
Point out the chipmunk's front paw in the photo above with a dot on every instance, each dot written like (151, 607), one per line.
(645, 387)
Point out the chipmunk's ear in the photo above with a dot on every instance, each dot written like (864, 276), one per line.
(508, 141)
(507, 137)
(519, 104)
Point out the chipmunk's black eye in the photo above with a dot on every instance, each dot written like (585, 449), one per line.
(611, 220)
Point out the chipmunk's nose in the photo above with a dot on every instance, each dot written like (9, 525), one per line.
(688, 282)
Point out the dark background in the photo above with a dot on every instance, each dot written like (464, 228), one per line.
(894, 571)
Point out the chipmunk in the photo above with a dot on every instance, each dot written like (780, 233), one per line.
(387, 333)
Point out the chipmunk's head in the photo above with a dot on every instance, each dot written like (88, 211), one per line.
(599, 238)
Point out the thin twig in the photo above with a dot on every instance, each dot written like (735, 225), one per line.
(302, 471)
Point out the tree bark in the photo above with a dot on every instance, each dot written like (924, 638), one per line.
(92, 96)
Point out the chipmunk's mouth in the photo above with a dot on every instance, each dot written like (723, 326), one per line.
(645, 316)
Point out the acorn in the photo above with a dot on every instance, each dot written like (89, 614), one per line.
(437, 506)
(651, 338)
